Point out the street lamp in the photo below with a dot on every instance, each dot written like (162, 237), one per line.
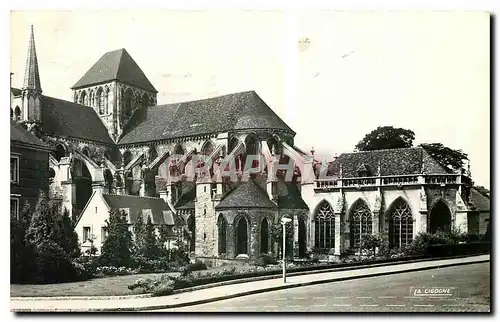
(284, 221)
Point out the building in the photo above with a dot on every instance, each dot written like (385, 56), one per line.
(91, 226)
(29, 168)
(115, 139)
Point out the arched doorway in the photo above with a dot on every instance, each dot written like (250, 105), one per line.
(303, 237)
(60, 152)
(241, 236)
(264, 236)
(324, 227)
(222, 228)
(400, 224)
(192, 233)
(360, 222)
(108, 181)
(83, 184)
(440, 218)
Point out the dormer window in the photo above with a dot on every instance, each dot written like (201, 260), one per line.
(363, 170)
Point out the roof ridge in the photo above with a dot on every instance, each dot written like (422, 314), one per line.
(147, 197)
(207, 98)
(382, 150)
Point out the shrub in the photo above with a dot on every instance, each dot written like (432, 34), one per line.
(116, 250)
(265, 260)
(370, 242)
(196, 266)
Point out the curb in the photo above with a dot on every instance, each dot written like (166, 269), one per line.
(236, 281)
(245, 293)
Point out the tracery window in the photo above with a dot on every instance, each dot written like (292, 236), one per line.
(400, 225)
(324, 224)
(361, 223)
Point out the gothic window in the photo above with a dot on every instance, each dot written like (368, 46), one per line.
(60, 152)
(91, 99)
(361, 222)
(17, 113)
(192, 233)
(83, 99)
(400, 224)
(127, 104)
(103, 98)
(264, 236)
(241, 236)
(106, 100)
(222, 227)
(324, 224)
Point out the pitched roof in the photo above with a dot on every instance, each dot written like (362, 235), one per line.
(116, 65)
(157, 208)
(293, 198)
(246, 195)
(18, 134)
(392, 162)
(15, 91)
(60, 117)
(481, 202)
(188, 195)
(237, 111)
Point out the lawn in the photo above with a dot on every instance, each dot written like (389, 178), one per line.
(105, 286)
(116, 285)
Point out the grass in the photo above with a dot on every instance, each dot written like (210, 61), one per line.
(106, 286)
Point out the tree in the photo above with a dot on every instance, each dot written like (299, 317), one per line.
(482, 190)
(69, 237)
(44, 237)
(150, 241)
(449, 158)
(386, 137)
(21, 255)
(139, 234)
(117, 248)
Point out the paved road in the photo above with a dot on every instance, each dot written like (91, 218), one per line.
(389, 293)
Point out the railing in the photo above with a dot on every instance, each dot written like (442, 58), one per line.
(399, 180)
(440, 179)
(402, 180)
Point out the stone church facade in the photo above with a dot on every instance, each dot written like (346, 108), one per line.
(114, 139)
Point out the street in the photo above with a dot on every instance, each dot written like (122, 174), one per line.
(390, 293)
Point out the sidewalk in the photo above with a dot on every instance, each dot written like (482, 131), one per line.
(227, 291)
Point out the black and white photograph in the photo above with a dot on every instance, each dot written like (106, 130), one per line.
(233, 160)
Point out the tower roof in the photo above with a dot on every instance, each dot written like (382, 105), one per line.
(31, 74)
(116, 65)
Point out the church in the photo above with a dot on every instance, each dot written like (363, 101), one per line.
(113, 146)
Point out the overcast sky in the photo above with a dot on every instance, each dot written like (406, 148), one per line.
(332, 76)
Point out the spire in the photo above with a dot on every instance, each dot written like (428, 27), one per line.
(31, 75)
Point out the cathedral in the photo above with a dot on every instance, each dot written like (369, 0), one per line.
(113, 146)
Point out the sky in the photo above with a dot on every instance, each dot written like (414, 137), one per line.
(333, 76)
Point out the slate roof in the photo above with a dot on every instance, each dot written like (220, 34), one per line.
(157, 208)
(60, 117)
(293, 200)
(188, 195)
(392, 162)
(481, 202)
(247, 195)
(19, 135)
(116, 65)
(237, 111)
(15, 91)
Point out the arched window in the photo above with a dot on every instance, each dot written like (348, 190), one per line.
(83, 98)
(192, 233)
(400, 224)
(361, 222)
(152, 154)
(127, 104)
(208, 148)
(103, 100)
(11, 113)
(17, 113)
(264, 236)
(106, 100)
(127, 157)
(60, 152)
(440, 217)
(241, 236)
(85, 152)
(324, 227)
(222, 228)
(91, 99)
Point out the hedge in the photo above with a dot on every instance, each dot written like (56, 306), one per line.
(457, 249)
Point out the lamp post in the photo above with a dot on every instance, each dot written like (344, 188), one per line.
(284, 221)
